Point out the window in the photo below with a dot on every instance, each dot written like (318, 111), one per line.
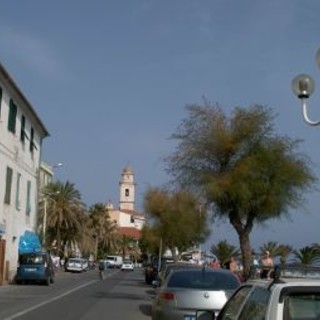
(127, 192)
(233, 306)
(31, 140)
(23, 127)
(132, 219)
(256, 305)
(28, 206)
(12, 116)
(7, 196)
(18, 192)
(302, 305)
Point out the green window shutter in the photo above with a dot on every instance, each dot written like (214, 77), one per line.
(28, 206)
(31, 140)
(23, 127)
(18, 191)
(7, 196)
(12, 116)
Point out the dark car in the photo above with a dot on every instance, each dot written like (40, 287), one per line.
(35, 267)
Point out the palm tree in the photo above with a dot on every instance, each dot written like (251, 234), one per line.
(270, 246)
(104, 231)
(224, 251)
(307, 255)
(64, 214)
(284, 251)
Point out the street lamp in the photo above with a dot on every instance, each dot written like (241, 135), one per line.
(303, 87)
(45, 203)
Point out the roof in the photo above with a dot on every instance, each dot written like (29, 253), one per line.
(132, 212)
(12, 83)
(130, 232)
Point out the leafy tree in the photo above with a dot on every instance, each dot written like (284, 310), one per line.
(177, 219)
(307, 255)
(240, 165)
(224, 251)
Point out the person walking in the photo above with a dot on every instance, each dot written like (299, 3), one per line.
(102, 268)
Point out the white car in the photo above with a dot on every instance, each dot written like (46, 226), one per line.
(127, 265)
(74, 265)
(293, 292)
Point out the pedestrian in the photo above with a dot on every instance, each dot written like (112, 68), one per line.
(267, 265)
(232, 265)
(102, 268)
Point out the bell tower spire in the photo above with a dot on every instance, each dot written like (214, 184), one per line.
(127, 189)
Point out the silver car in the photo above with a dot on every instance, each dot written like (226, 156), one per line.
(187, 293)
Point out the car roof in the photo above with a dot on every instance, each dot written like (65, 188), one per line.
(289, 275)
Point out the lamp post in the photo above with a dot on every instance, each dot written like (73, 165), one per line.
(303, 87)
(45, 203)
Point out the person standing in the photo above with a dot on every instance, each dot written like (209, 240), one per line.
(267, 265)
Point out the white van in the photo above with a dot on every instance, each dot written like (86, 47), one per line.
(114, 261)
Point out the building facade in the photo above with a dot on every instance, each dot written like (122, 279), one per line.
(21, 136)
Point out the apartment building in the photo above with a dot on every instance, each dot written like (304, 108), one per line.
(21, 136)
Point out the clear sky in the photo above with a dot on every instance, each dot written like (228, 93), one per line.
(111, 79)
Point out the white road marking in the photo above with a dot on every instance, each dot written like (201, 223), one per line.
(19, 314)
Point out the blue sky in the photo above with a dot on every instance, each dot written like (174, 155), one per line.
(111, 79)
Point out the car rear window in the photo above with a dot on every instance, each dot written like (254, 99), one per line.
(32, 259)
(203, 280)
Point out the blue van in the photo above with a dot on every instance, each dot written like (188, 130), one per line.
(35, 267)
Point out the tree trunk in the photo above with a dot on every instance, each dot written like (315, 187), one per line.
(245, 247)
(243, 230)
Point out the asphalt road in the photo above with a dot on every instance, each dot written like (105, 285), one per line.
(121, 295)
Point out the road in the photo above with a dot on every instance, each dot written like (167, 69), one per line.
(121, 295)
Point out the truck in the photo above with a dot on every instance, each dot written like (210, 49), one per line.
(114, 261)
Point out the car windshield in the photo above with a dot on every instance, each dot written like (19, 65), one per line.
(203, 280)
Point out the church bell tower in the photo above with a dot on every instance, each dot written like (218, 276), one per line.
(127, 189)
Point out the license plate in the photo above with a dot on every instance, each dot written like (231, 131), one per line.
(31, 269)
(203, 314)
(189, 317)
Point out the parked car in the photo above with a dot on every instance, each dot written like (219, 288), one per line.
(35, 267)
(127, 265)
(187, 293)
(293, 294)
(74, 265)
(170, 267)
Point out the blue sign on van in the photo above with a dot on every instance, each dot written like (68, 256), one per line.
(29, 242)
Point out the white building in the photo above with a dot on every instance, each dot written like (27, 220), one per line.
(21, 135)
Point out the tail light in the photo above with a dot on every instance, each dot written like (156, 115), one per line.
(166, 296)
